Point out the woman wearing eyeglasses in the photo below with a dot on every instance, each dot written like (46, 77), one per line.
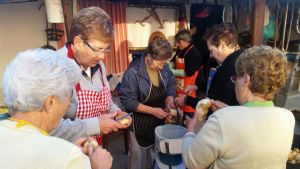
(90, 37)
(147, 89)
(222, 42)
(254, 135)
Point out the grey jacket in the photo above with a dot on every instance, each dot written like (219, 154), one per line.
(136, 85)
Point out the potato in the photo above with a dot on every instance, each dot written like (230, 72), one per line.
(121, 119)
(173, 112)
(90, 142)
(296, 149)
(202, 108)
(293, 161)
(297, 158)
(294, 153)
(124, 121)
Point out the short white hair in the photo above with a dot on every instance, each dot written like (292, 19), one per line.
(36, 74)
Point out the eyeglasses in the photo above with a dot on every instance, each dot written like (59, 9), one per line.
(234, 78)
(96, 51)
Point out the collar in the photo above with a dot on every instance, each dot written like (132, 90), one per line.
(142, 69)
(187, 47)
(232, 56)
(184, 50)
(259, 104)
(71, 56)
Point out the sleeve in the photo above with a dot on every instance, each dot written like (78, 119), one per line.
(176, 72)
(129, 90)
(201, 150)
(226, 91)
(77, 160)
(113, 107)
(71, 130)
(171, 85)
(71, 112)
(193, 61)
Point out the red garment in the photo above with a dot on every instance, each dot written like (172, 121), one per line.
(182, 82)
(92, 103)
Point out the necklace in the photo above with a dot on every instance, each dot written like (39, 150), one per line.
(21, 123)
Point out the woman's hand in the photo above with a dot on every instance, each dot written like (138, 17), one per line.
(170, 102)
(180, 100)
(159, 113)
(190, 88)
(190, 123)
(100, 158)
(80, 143)
(216, 105)
(108, 124)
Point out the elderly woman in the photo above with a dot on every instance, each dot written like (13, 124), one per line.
(254, 135)
(147, 89)
(222, 42)
(37, 88)
(89, 42)
(186, 66)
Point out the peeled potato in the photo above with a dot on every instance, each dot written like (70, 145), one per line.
(173, 112)
(296, 149)
(124, 121)
(90, 142)
(202, 108)
(294, 153)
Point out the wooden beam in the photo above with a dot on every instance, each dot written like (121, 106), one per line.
(68, 14)
(258, 22)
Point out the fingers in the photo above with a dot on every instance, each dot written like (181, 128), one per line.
(90, 150)
(196, 115)
(80, 141)
(112, 115)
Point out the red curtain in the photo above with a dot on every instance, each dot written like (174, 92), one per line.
(62, 41)
(117, 61)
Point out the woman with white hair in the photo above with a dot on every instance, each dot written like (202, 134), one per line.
(37, 88)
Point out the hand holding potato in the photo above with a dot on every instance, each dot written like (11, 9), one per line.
(100, 158)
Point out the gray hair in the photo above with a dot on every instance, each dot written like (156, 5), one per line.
(36, 74)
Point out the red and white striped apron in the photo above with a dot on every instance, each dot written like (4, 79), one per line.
(92, 103)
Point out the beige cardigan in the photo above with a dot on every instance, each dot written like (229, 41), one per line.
(27, 148)
(240, 137)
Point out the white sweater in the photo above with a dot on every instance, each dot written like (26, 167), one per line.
(240, 137)
(27, 148)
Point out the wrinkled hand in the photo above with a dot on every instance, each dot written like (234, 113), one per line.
(180, 100)
(108, 124)
(159, 113)
(216, 105)
(80, 142)
(121, 114)
(100, 158)
(191, 122)
(170, 102)
(190, 88)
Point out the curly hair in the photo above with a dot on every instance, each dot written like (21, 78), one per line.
(267, 68)
(160, 49)
(92, 22)
(222, 32)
